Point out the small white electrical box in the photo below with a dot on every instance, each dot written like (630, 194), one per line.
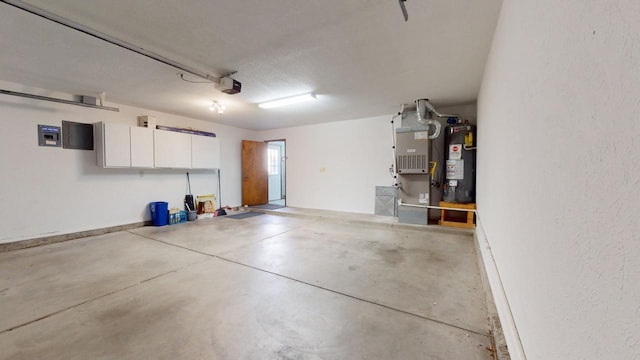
(147, 121)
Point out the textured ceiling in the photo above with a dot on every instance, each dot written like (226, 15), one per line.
(359, 56)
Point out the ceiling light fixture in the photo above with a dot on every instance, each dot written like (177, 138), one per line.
(216, 106)
(287, 101)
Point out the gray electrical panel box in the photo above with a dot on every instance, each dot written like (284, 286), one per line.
(77, 135)
(49, 135)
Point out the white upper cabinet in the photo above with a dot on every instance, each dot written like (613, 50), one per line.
(123, 146)
(172, 149)
(113, 145)
(205, 152)
(141, 147)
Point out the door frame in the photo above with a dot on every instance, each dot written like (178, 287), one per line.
(283, 190)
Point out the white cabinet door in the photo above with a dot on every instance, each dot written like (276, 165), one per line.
(162, 154)
(172, 149)
(141, 147)
(205, 152)
(116, 145)
(183, 151)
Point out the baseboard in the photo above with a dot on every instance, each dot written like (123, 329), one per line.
(336, 216)
(507, 340)
(23, 244)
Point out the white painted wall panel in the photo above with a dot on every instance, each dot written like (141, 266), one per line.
(558, 170)
(336, 166)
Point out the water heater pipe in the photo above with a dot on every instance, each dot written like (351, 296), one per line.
(400, 203)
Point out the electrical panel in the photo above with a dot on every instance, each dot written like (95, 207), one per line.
(49, 135)
(77, 135)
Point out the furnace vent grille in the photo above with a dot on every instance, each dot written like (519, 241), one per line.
(414, 163)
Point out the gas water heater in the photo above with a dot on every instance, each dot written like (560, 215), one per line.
(460, 164)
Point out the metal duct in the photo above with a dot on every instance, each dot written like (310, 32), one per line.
(424, 109)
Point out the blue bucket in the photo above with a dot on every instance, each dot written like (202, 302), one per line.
(159, 213)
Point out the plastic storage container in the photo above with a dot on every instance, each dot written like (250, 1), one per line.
(159, 213)
(177, 217)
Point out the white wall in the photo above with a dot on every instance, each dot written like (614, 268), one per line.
(49, 191)
(355, 155)
(558, 175)
(467, 111)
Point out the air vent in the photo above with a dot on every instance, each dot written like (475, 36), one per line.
(412, 164)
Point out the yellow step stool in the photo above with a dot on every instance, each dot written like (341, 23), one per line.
(470, 215)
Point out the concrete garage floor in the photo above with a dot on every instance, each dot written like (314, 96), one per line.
(266, 287)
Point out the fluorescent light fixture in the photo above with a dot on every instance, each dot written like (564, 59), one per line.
(287, 101)
(216, 106)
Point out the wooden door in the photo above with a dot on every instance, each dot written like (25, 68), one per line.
(255, 190)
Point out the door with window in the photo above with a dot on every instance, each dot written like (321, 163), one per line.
(263, 172)
(275, 170)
